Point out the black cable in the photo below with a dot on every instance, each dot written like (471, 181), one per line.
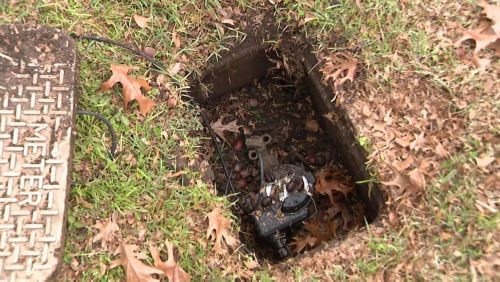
(138, 52)
(111, 130)
(226, 185)
(219, 152)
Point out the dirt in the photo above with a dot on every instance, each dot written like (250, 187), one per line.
(281, 107)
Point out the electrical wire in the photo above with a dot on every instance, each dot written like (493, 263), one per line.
(111, 130)
(138, 52)
(219, 152)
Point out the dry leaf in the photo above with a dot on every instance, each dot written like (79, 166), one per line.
(171, 270)
(441, 151)
(492, 12)
(487, 34)
(339, 67)
(219, 128)
(175, 69)
(107, 231)
(484, 161)
(219, 225)
(401, 180)
(302, 242)
(175, 39)
(417, 179)
(135, 270)
(413, 182)
(131, 87)
(141, 21)
(327, 181)
(228, 21)
(253, 264)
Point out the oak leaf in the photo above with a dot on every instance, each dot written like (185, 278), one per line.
(302, 242)
(170, 268)
(131, 87)
(135, 269)
(107, 231)
(339, 67)
(485, 161)
(486, 35)
(219, 128)
(141, 21)
(411, 182)
(218, 231)
(328, 181)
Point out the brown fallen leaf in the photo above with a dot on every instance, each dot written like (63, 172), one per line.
(441, 151)
(328, 181)
(141, 21)
(219, 128)
(170, 269)
(302, 242)
(107, 231)
(131, 87)
(135, 270)
(486, 35)
(252, 264)
(175, 69)
(417, 179)
(218, 230)
(412, 182)
(484, 161)
(228, 21)
(482, 37)
(175, 39)
(339, 67)
(492, 12)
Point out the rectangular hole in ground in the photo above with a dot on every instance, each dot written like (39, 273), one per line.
(295, 183)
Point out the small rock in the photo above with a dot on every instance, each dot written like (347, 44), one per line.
(252, 102)
(238, 144)
(237, 167)
(149, 51)
(242, 183)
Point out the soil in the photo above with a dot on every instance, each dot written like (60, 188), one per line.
(279, 106)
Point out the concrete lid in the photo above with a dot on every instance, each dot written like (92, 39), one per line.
(38, 71)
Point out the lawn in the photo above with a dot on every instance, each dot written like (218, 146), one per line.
(420, 108)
